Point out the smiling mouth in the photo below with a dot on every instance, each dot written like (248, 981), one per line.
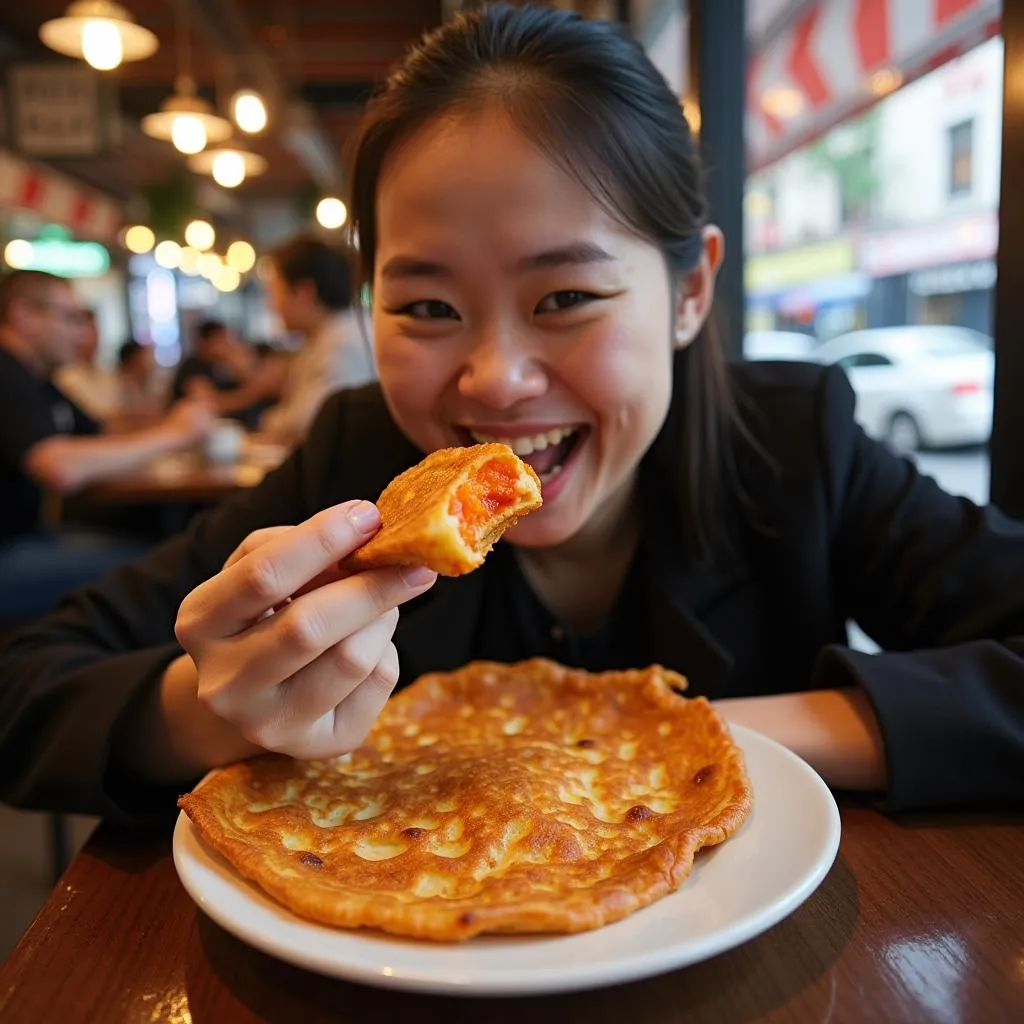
(546, 453)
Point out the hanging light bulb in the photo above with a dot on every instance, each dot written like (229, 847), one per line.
(230, 165)
(331, 212)
(18, 254)
(249, 111)
(101, 44)
(100, 32)
(241, 256)
(209, 265)
(168, 255)
(190, 261)
(228, 168)
(227, 279)
(200, 235)
(139, 239)
(188, 133)
(186, 119)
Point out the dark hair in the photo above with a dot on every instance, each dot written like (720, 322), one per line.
(589, 98)
(128, 351)
(329, 269)
(25, 285)
(208, 328)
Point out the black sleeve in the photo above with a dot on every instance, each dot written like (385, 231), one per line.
(66, 682)
(25, 417)
(938, 583)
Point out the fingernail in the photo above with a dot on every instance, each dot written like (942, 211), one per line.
(364, 516)
(418, 576)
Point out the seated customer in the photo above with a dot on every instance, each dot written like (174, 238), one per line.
(139, 399)
(310, 289)
(215, 359)
(47, 443)
(93, 388)
(227, 373)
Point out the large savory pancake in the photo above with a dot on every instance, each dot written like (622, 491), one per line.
(449, 510)
(497, 798)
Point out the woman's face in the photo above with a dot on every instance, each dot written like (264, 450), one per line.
(509, 306)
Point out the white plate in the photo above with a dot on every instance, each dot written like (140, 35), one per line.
(737, 890)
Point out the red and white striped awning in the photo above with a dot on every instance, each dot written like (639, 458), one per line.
(58, 199)
(838, 57)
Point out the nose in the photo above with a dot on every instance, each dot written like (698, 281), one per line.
(500, 371)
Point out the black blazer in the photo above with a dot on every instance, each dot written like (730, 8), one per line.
(833, 528)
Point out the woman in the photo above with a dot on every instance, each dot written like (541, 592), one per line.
(530, 214)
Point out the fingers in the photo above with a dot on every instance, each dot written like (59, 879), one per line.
(354, 716)
(338, 730)
(320, 687)
(281, 645)
(267, 575)
(255, 540)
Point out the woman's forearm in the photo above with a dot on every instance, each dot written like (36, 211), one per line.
(834, 731)
(174, 737)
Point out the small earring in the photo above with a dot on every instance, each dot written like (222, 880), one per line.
(682, 335)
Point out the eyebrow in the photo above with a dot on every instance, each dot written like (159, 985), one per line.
(573, 254)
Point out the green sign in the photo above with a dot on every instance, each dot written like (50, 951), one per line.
(55, 253)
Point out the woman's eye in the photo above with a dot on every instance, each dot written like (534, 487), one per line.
(557, 301)
(429, 309)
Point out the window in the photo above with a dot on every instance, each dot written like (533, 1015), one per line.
(961, 158)
(875, 126)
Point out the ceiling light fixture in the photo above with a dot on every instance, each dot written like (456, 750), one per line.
(249, 111)
(229, 165)
(185, 118)
(200, 235)
(331, 212)
(100, 32)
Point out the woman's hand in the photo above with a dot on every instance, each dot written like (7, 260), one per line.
(294, 654)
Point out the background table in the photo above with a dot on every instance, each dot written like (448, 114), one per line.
(918, 921)
(188, 477)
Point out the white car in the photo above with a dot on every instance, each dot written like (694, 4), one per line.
(784, 345)
(925, 386)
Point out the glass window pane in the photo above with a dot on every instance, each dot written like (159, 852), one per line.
(871, 210)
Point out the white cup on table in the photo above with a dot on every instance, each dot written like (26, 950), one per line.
(225, 442)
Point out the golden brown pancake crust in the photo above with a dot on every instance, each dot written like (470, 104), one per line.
(497, 798)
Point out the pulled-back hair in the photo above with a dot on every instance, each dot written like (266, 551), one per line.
(588, 97)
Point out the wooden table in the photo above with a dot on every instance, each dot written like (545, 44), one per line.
(918, 921)
(188, 477)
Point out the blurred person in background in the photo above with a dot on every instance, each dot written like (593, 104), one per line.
(93, 388)
(218, 358)
(140, 396)
(49, 444)
(229, 374)
(310, 289)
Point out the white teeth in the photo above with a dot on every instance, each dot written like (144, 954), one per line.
(527, 445)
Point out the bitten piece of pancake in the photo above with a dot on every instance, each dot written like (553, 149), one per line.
(448, 511)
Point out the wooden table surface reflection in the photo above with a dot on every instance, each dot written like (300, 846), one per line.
(918, 921)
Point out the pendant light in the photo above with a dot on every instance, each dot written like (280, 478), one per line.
(229, 165)
(185, 119)
(100, 32)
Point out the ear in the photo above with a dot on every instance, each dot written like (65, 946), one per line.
(697, 289)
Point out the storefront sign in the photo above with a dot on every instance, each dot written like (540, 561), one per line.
(55, 109)
(954, 279)
(963, 240)
(781, 270)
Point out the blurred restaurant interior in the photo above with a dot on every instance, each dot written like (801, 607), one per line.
(860, 155)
